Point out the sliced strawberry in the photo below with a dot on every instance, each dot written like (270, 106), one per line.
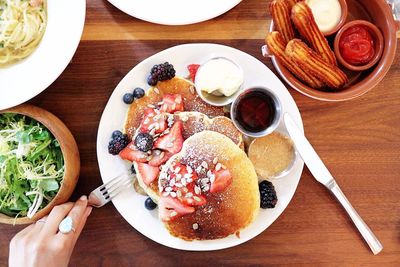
(159, 157)
(131, 153)
(223, 179)
(172, 103)
(153, 120)
(149, 111)
(190, 198)
(148, 173)
(188, 195)
(192, 68)
(171, 208)
(172, 141)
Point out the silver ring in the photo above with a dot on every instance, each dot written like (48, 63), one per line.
(66, 225)
(41, 221)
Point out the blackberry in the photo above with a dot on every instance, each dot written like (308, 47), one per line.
(117, 144)
(144, 142)
(151, 81)
(161, 72)
(138, 93)
(128, 98)
(149, 204)
(268, 195)
(115, 134)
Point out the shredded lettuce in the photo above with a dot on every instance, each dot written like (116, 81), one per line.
(31, 165)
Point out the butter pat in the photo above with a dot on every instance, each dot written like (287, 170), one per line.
(220, 77)
(327, 13)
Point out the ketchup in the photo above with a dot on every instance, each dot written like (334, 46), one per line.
(357, 45)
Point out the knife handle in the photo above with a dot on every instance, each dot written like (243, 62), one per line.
(362, 227)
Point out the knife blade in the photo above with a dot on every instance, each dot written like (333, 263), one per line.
(322, 175)
(307, 152)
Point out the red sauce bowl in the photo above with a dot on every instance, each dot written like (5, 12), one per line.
(376, 36)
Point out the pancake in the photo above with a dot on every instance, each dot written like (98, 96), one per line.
(228, 211)
(195, 122)
(192, 102)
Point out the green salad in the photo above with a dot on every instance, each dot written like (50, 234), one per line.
(31, 165)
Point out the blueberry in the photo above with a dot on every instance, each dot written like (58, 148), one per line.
(138, 93)
(144, 142)
(149, 204)
(128, 98)
(115, 134)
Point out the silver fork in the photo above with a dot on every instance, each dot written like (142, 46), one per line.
(104, 193)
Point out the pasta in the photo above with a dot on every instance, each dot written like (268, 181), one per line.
(22, 26)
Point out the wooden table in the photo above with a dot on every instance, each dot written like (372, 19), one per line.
(358, 140)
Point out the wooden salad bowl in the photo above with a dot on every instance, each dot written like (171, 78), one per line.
(70, 153)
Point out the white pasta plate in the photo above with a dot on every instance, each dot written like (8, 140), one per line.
(175, 12)
(29, 77)
(131, 204)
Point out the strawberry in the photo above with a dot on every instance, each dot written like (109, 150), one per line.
(192, 68)
(171, 208)
(188, 195)
(148, 173)
(159, 157)
(131, 153)
(173, 141)
(160, 124)
(223, 179)
(195, 199)
(172, 103)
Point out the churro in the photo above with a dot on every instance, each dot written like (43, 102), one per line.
(291, 3)
(276, 45)
(312, 63)
(304, 22)
(280, 11)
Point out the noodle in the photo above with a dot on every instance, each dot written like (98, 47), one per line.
(22, 26)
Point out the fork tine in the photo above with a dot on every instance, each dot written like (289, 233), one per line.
(117, 184)
(113, 181)
(104, 193)
(119, 189)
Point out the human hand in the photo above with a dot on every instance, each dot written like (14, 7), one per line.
(41, 244)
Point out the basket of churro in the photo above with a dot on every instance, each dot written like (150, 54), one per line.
(331, 50)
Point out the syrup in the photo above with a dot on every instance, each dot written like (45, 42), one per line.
(255, 111)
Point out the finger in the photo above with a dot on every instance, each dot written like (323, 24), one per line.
(77, 214)
(24, 232)
(56, 215)
(81, 224)
(40, 224)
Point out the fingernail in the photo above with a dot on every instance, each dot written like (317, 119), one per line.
(83, 198)
(88, 211)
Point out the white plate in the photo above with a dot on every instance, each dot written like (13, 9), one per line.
(130, 204)
(29, 77)
(175, 12)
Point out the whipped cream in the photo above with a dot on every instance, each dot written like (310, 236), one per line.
(220, 77)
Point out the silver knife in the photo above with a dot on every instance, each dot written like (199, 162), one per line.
(322, 175)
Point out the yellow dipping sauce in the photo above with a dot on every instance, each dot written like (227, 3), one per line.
(271, 154)
(327, 13)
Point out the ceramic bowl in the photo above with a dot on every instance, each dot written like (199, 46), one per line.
(378, 41)
(380, 14)
(69, 150)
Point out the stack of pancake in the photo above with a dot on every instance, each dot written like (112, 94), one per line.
(208, 135)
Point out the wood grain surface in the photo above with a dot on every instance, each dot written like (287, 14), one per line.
(359, 141)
